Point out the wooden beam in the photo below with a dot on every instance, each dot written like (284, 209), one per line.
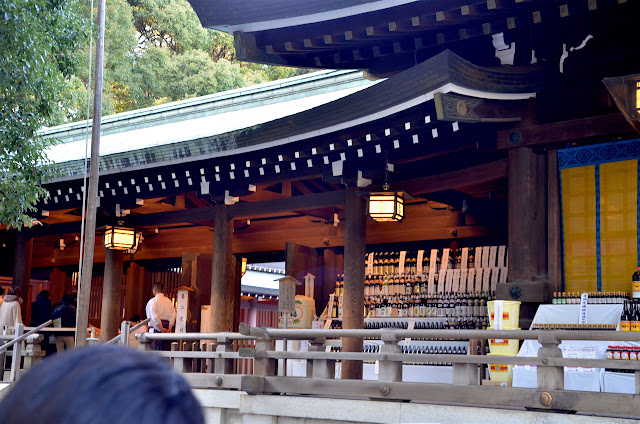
(566, 131)
(312, 201)
(454, 107)
(453, 180)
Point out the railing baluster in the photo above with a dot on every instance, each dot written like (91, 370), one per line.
(262, 367)
(188, 362)
(223, 365)
(125, 329)
(550, 378)
(17, 354)
(178, 363)
(390, 370)
(32, 353)
(197, 362)
(320, 368)
(211, 347)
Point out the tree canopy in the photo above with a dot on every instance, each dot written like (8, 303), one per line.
(33, 72)
(156, 51)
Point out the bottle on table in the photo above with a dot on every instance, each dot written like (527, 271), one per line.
(635, 317)
(635, 284)
(625, 319)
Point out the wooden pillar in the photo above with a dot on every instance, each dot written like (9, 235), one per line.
(223, 293)
(527, 219)
(236, 279)
(252, 319)
(196, 273)
(135, 297)
(554, 217)
(22, 269)
(329, 274)
(527, 215)
(354, 251)
(111, 315)
(59, 284)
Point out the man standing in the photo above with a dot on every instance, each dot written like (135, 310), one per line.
(66, 314)
(161, 314)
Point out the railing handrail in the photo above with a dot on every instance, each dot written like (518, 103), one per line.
(135, 327)
(192, 336)
(252, 333)
(53, 329)
(295, 334)
(7, 345)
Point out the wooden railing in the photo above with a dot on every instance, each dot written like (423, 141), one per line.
(210, 364)
(25, 350)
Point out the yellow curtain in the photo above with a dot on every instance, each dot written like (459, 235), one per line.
(618, 224)
(579, 219)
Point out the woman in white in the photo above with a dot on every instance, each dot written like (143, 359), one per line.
(10, 314)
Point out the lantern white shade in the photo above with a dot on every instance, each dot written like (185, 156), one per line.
(120, 238)
(386, 206)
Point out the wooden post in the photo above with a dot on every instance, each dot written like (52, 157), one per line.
(550, 378)
(134, 301)
(111, 314)
(554, 216)
(353, 307)
(527, 215)
(22, 269)
(86, 271)
(223, 296)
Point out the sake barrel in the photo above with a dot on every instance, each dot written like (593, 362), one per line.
(303, 315)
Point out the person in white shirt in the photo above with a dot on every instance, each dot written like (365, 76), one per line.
(161, 314)
(10, 313)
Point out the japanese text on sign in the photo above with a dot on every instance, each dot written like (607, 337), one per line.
(287, 297)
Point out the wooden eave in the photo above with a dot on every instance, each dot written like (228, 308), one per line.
(399, 120)
(386, 40)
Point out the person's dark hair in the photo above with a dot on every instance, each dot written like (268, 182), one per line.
(93, 385)
(67, 299)
(44, 294)
(13, 291)
(1, 290)
(135, 318)
(159, 286)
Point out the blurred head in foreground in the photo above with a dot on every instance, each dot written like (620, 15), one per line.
(101, 385)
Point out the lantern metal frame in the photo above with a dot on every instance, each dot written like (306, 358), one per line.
(132, 251)
(118, 237)
(386, 206)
